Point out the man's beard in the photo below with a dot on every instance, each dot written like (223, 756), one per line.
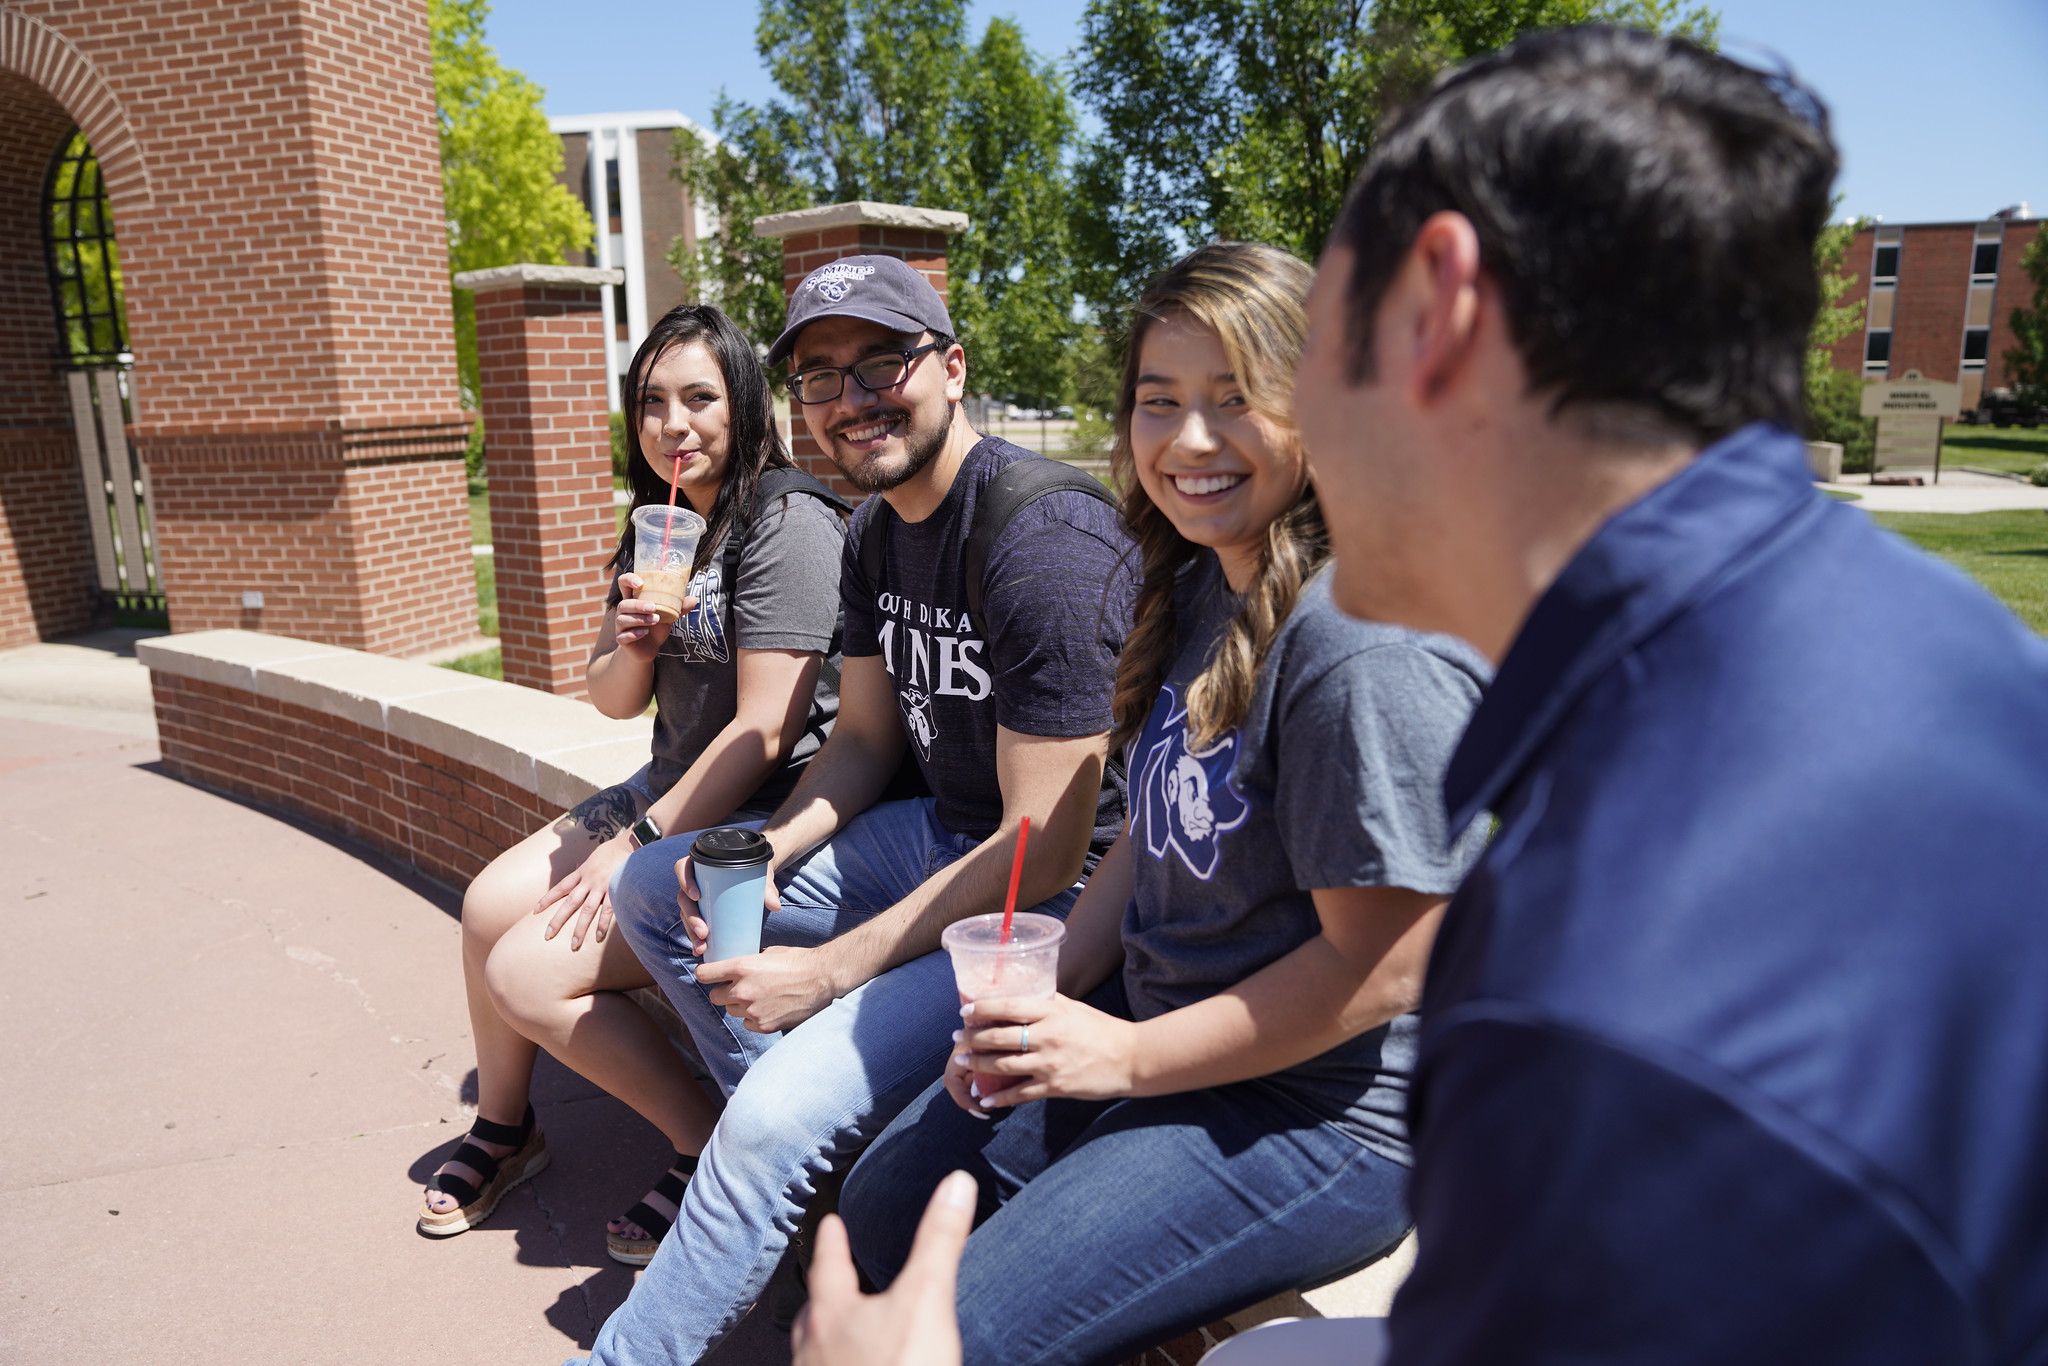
(920, 447)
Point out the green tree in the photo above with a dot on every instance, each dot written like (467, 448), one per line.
(1011, 273)
(1250, 118)
(746, 174)
(892, 102)
(1834, 396)
(2027, 361)
(499, 166)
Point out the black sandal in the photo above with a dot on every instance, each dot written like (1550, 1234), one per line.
(640, 1251)
(500, 1174)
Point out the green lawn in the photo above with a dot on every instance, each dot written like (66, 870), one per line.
(2009, 450)
(484, 664)
(486, 595)
(2007, 552)
(479, 518)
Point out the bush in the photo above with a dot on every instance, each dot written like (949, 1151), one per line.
(473, 457)
(621, 460)
(2039, 478)
(1093, 432)
(1834, 399)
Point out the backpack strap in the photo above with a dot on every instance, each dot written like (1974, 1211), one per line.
(1016, 487)
(774, 483)
(874, 542)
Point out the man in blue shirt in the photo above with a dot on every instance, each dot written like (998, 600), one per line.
(1735, 1045)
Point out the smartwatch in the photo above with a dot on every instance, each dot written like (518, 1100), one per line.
(644, 832)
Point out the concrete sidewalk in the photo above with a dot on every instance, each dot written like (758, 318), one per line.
(235, 1051)
(1959, 491)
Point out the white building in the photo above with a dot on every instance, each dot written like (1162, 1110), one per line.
(645, 209)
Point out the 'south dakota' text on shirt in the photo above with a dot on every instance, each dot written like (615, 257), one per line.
(935, 657)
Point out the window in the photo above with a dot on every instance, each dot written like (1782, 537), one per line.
(1886, 266)
(1985, 260)
(84, 266)
(1877, 349)
(1976, 344)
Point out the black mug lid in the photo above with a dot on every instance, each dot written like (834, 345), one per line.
(731, 846)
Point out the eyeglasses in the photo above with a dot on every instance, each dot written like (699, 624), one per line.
(885, 370)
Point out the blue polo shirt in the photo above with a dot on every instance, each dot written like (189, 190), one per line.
(1735, 1044)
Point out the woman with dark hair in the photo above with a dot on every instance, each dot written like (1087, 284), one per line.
(1212, 1109)
(745, 689)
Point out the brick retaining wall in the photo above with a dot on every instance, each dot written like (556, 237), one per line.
(447, 819)
(439, 770)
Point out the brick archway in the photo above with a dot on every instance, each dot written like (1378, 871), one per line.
(274, 177)
(46, 564)
(38, 52)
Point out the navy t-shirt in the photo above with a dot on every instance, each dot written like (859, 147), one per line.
(1057, 601)
(1735, 1044)
(1331, 780)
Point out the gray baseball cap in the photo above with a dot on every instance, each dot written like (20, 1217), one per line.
(880, 289)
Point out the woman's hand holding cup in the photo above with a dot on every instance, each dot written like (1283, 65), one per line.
(636, 626)
(1042, 1047)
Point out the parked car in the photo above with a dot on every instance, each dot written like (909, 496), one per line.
(2004, 408)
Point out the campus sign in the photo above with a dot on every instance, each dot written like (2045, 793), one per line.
(1909, 413)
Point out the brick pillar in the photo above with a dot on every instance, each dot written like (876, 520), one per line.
(541, 356)
(812, 237)
(276, 190)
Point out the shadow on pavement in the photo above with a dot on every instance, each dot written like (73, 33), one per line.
(447, 899)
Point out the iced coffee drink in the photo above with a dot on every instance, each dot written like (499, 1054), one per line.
(664, 545)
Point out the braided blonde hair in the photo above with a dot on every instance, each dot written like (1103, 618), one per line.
(1255, 299)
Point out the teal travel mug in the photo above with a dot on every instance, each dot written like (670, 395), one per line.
(731, 864)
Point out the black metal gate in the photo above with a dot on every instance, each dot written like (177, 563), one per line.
(92, 330)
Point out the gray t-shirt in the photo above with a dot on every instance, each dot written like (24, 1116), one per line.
(1335, 779)
(785, 597)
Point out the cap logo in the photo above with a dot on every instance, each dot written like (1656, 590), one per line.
(835, 280)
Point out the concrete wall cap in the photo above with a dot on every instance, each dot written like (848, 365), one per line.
(227, 658)
(564, 777)
(854, 214)
(559, 748)
(360, 687)
(501, 729)
(504, 277)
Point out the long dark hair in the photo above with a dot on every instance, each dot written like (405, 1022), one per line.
(1254, 298)
(753, 443)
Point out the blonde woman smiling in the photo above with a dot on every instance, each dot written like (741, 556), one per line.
(1212, 1110)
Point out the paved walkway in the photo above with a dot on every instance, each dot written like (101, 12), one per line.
(234, 1051)
(1958, 491)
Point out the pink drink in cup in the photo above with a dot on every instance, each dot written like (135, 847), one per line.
(984, 967)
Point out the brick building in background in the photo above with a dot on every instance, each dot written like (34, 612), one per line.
(1938, 298)
(287, 367)
(646, 209)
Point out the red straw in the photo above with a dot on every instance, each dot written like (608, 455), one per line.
(1016, 872)
(670, 525)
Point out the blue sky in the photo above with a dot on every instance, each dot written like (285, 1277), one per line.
(1941, 110)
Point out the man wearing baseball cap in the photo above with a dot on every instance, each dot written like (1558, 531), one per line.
(1006, 710)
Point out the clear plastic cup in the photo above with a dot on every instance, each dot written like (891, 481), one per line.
(984, 967)
(664, 545)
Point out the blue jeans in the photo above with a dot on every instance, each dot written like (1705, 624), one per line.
(1106, 1227)
(797, 1104)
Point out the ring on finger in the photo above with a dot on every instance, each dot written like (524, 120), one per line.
(1024, 1040)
